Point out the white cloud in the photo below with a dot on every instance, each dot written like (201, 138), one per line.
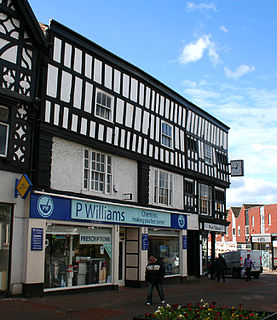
(239, 72)
(224, 29)
(251, 191)
(201, 6)
(251, 115)
(194, 51)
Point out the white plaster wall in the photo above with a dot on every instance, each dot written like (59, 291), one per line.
(33, 267)
(178, 190)
(67, 171)
(193, 221)
(19, 216)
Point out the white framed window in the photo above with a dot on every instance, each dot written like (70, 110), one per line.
(167, 137)
(234, 231)
(238, 230)
(253, 221)
(208, 153)
(163, 188)
(269, 219)
(205, 199)
(97, 172)
(247, 230)
(104, 105)
(4, 130)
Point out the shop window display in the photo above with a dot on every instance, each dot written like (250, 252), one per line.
(164, 245)
(77, 256)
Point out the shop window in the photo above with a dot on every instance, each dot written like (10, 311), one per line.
(104, 105)
(5, 221)
(167, 135)
(163, 188)
(164, 245)
(205, 199)
(4, 130)
(77, 256)
(97, 171)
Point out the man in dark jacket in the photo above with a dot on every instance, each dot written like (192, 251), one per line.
(154, 275)
(220, 266)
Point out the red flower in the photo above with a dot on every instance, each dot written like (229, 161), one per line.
(175, 306)
(251, 314)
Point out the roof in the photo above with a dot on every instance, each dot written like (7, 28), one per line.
(236, 211)
(31, 21)
(248, 206)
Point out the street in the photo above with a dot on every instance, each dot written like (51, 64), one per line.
(125, 303)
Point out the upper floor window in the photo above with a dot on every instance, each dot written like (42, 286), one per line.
(208, 153)
(167, 135)
(221, 158)
(104, 105)
(97, 171)
(269, 219)
(4, 130)
(253, 221)
(205, 199)
(238, 230)
(163, 187)
(192, 144)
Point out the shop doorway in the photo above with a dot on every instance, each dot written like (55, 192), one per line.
(121, 258)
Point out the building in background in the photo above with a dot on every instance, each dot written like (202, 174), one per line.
(122, 166)
(252, 227)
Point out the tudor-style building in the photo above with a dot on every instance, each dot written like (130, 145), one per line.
(21, 45)
(123, 167)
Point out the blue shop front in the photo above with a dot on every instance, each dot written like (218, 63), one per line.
(85, 243)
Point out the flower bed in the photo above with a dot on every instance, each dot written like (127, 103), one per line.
(203, 310)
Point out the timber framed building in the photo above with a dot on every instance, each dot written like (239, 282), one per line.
(122, 166)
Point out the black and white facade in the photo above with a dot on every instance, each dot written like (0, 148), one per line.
(122, 167)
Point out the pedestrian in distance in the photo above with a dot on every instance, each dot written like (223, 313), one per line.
(247, 266)
(220, 266)
(154, 275)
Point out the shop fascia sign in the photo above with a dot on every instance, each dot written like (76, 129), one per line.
(214, 227)
(68, 209)
(261, 239)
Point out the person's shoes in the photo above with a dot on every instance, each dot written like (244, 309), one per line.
(148, 303)
(162, 301)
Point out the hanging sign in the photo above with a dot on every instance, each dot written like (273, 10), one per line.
(22, 186)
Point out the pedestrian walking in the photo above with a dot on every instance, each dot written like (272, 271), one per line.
(220, 266)
(247, 266)
(154, 275)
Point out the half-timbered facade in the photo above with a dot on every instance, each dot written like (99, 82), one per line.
(123, 168)
(21, 44)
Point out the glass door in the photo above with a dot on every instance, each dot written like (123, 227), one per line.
(5, 222)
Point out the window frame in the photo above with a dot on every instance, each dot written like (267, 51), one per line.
(4, 123)
(93, 176)
(111, 109)
(165, 136)
(207, 200)
(269, 219)
(5, 153)
(169, 189)
(208, 154)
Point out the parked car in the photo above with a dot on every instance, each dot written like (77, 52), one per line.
(235, 262)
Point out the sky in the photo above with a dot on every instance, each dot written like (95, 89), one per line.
(220, 55)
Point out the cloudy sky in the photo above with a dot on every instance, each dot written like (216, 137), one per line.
(221, 55)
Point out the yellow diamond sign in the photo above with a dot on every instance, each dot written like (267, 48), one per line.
(22, 186)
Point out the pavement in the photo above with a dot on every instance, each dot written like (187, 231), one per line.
(125, 303)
